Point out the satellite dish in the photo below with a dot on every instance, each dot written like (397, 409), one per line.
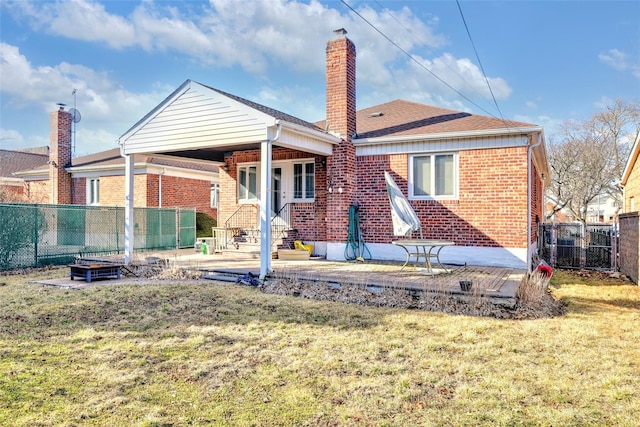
(75, 115)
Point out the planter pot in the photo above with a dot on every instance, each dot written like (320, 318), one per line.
(465, 285)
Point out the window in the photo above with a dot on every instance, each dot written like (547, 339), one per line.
(433, 176)
(93, 191)
(215, 195)
(247, 183)
(304, 181)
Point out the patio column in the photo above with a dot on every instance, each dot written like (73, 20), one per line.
(128, 209)
(265, 208)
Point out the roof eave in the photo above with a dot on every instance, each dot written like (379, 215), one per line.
(312, 133)
(447, 135)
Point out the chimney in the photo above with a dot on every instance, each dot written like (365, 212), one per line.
(60, 156)
(341, 85)
(341, 119)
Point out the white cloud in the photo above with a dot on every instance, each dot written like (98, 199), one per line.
(78, 19)
(620, 61)
(106, 107)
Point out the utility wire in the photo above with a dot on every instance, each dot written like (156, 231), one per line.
(478, 58)
(408, 30)
(415, 60)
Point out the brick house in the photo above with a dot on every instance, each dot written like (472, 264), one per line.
(476, 180)
(51, 175)
(629, 220)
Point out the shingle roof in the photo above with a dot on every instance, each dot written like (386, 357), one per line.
(405, 118)
(113, 158)
(17, 161)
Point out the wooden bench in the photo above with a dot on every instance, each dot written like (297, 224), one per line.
(95, 271)
(423, 249)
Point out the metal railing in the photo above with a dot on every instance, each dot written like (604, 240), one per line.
(577, 245)
(243, 225)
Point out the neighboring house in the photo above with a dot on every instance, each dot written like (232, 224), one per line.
(99, 179)
(631, 179)
(13, 188)
(603, 208)
(553, 214)
(629, 220)
(478, 181)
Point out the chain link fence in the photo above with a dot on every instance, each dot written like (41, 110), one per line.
(37, 235)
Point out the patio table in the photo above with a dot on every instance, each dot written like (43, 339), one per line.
(423, 249)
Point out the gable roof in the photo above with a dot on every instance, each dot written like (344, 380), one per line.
(631, 161)
(16, 161)
(200, 122)
(404, 118)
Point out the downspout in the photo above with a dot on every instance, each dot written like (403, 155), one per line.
(265, 202)
(529, 193)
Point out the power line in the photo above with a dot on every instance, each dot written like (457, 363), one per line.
(408, 30)
(415, 60)
(478, 58)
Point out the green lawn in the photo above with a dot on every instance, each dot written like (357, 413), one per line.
(214, 354)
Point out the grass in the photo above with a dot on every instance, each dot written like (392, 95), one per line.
(214, 354)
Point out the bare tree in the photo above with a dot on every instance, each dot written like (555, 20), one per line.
(587, 158)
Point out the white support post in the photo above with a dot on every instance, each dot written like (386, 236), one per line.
(265, 208)
(128, 209)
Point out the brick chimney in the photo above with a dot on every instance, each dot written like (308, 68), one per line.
(341, 85)
(60, 156)
(341, 119)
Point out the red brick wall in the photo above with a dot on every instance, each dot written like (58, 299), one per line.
(491, 210)
(307, 218)
(60, 154)
(537, 202)
(79, 196)
(182, 193)
(176, 192)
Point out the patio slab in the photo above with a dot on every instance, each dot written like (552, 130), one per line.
(496, 283)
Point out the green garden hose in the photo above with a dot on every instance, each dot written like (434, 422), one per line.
(356, 248)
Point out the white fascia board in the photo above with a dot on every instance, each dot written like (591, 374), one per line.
(447, 135)
(33, 175)
(12, 182)
(311, 133)
(631, 161)
(140, 169)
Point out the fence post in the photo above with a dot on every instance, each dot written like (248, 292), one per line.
(178, 226)
(35, 235)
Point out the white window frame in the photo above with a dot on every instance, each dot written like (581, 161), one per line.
(247, 167)
(432, 156)
(304, 191)
(93, 191)
(215, 195)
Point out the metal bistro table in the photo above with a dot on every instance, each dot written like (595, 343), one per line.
(423, 249)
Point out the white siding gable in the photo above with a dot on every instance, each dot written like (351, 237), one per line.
(196, 117)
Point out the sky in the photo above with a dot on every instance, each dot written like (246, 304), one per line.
(539, 62)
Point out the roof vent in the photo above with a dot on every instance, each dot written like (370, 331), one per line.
(376, 114)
